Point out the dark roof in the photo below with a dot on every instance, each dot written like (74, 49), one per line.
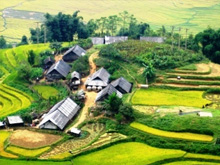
(111, 39)
(49, 59)
(75, 75)
(107, 91)
(62, 67)
(122, 83)
(15, 120)
(152, 39)
(61, 113)
(100, 74)
(77, 50)
(97, 40)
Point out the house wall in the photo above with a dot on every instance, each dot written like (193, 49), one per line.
(49, 125)
(120, 89)
(54, 75)
(70, 57)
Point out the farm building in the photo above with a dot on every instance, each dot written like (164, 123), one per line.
(152, 39)
(2, 124)
(98, 80)
(111, 39)
(73, 53)
(59, 115)
(48, 62)
(205, 114)
(103, 94)
(58, 71)
(122, 85)
(14, 121)
(75, 80)
(75, 132)
(97, 40)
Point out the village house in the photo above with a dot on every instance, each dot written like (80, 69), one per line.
(14, 121)
(152, 39)
(122, 85)
(98, 80)
(75, 80)
(111, 39)
(58, 71)
(48, 62)
(97, 40)
(59, 115)
(103, 94)
(73, 53)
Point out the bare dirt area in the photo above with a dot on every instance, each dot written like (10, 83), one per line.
(215, 69)
(202, 67)
(58, 57)
(30, 139)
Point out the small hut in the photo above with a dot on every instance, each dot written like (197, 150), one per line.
(122, 85)
(97, 80)
(48, 62)
(58, 71)
(73, 53)
(75, 131)
(14, 121)
(75, 80)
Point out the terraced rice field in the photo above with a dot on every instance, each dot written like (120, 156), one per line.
(128, 153)
(158, 96)
(191, 163)
(12, 100)
(46, 91)
(62, 150)
(4, 135)
(26, 152)
(178, 135)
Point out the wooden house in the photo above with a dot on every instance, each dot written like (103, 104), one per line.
(75, 80)
(103, 94)
(73, 53)
(75, 132)
(58, 71)
(97, 40)
(122, 85)
(14, 121)
(152, 39)
(48, 62)
(114, 39)
(98, 80)
(59, 115)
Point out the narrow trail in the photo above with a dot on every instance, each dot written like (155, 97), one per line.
(90, 96)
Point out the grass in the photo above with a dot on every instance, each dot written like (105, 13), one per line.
(4, 135)
(191, 163)
(128, 153)
(202, 156)
(194, 15)
(178, 135)
(27, 152)
(191, 67)
(158, 96)
(46, 91)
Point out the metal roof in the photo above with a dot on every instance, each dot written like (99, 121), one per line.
(108, 91)
(152, 39)
(61, 113)
(113, 39)
(97, 40)
(75, 130)
(122, 83)
(99, 78)
(75, 75)
(49, 59)
(62, 67)
(77, 50)
(15, 120)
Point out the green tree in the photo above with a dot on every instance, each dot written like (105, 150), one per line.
(127, 111)
(149, 70)
(56, 46)
(2, 42)
(24, 71)
(36, 73)
(112, 103)
(24, 40)
(31, 57)
(109, 51)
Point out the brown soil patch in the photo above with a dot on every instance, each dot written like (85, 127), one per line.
(30, 139)
(202, 67)
(58, 57)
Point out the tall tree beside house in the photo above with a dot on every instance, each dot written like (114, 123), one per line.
(31, 57)
(2, 42)
(56, 46)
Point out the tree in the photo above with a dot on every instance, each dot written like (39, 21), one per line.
(36, 73)
(56, 45)
(24, 71)
(2, 42)
(24, 40)
(124, 18)
(112, 24)
(31, 57)
(112, 103)
(127, 111)
(109, 51)
(149, 71)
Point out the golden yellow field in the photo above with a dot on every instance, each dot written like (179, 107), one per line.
(178, 135)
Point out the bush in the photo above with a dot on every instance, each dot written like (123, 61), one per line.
(36, 73)
(109, 51)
